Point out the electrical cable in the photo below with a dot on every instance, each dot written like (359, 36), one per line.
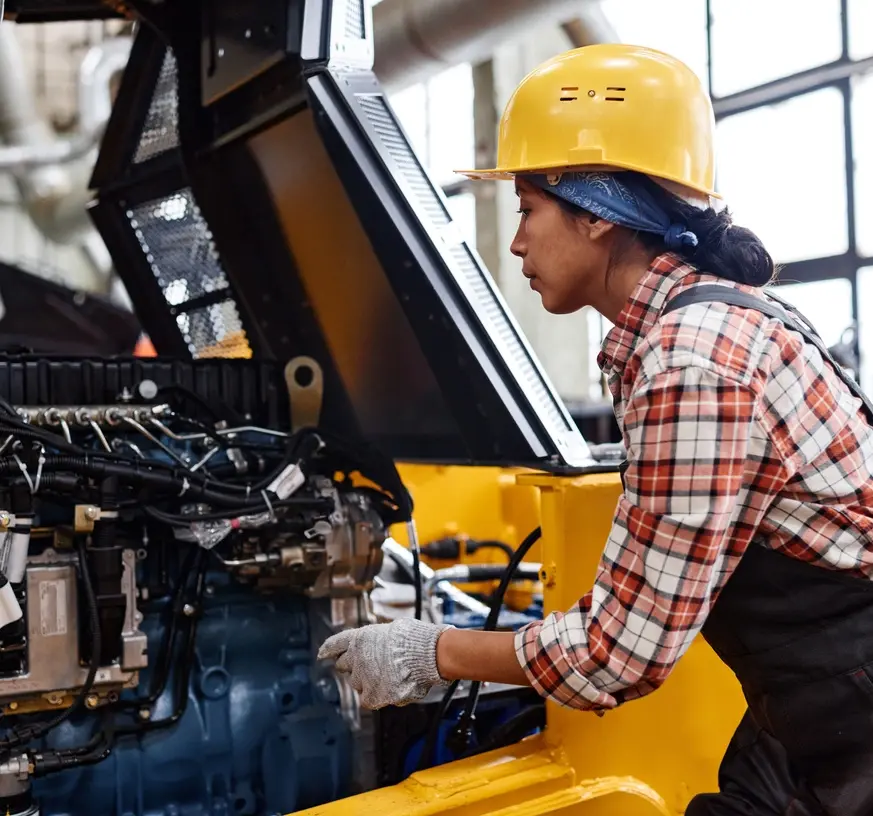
(100, 745)
(27, 733)
(176, 605)
(461, 734)
(512, 730)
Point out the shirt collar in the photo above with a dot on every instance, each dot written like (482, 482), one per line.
(668, 272)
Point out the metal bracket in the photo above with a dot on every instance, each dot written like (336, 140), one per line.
(87, 514)
(304, 379)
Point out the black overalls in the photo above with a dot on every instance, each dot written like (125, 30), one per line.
(800, 640)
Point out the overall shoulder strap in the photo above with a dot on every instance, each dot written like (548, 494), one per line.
(714, 293)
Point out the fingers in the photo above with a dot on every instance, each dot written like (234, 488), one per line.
(344, 663)
(336, 645)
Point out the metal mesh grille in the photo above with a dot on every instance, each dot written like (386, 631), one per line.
(383, 121)
(160, 131)
(531, 381)
(178, 246)
(355, 19)
(214, 331)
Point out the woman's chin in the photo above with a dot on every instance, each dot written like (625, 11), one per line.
(557, 305)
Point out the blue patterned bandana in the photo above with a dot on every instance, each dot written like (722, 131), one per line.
(619, 198)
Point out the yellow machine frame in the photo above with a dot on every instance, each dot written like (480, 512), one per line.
(647, 757)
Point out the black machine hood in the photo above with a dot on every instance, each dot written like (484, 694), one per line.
(259, 198)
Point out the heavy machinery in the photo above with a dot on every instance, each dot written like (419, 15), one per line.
(344, 424)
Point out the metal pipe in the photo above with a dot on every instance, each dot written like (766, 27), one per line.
(415, 39)
(31, 143)
(394, 549)
(52, 173)
(592, 26)
(462, 573)
(100, 65)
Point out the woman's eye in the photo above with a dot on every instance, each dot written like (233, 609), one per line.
(523, 211)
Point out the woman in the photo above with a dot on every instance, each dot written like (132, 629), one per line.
(745, 514)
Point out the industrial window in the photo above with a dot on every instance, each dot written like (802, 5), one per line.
(795, 158)
(783, 165)
(756, 41)
(826, 303)
(862, 121)
(677, 27)
(865, 328)
(860, 28)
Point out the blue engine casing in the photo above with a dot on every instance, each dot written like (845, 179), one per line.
(260, 734)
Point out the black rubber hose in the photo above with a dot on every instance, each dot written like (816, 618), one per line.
(490, 572)
(95, 750)
(461, 730)
(489, 544)
(28, 733)
(416, 570)
(176, 605)
(144, 474)
(511, 731)
(186, 665)
(462, 727)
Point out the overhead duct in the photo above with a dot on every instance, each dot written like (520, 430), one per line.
(52, 173)
(415, 39)
(592, 26)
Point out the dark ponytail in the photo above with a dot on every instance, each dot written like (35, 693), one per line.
(731, 252)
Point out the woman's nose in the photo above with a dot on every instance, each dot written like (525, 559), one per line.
(518, 247)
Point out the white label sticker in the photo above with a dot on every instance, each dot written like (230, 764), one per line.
(289, 480)
(52, 608)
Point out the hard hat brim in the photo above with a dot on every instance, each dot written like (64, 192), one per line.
(509, 173)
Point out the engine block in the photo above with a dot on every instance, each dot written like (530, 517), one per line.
(168, 568)
(257, 729)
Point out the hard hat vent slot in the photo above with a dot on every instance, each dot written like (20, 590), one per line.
(615, 98)
(566, 97)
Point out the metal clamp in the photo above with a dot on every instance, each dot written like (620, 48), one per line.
(86, 515)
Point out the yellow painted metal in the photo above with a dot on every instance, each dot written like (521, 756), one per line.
(527, 779)
(673, 739)
(649, 756)
(482, 503)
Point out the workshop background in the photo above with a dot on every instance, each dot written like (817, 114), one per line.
(793, 95)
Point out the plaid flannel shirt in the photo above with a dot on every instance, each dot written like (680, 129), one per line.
(735, 428)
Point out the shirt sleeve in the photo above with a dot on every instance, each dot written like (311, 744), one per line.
(673, 543)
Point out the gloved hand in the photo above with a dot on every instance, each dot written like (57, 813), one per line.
(389, 663)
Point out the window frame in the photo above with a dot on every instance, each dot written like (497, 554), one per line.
(837, 74)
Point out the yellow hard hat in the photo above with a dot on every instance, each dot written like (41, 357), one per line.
(609, 106)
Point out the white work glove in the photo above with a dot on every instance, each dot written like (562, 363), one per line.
(389, 663)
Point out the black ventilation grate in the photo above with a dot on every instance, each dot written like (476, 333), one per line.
(530, 379)
(385, 124)
(383, 121)
(160, 132)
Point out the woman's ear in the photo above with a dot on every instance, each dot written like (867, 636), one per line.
(598, 228)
